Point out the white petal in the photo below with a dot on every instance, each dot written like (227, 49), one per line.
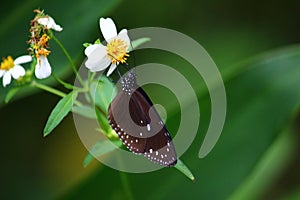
(57, 27)
(17, 71)
(2, 72)
(49, 23)
(52, 25)
(46, 21)
(124, 36)
(23, 59)
(6, 78)
(90, 49)
(43, 21)
(111, 69)
(42, 68)
(97, 59)
(103, 64)
(108, 28)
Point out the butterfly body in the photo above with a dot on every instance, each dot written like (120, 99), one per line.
(132, 115)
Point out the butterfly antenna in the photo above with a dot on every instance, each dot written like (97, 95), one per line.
(120, 76)
(112, 80)
(133, 54)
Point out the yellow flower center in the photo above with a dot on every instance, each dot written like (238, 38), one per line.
(117, 51)
(7, 63)
(43, 40)
(42, 52)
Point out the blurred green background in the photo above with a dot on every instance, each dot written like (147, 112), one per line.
(254, 45)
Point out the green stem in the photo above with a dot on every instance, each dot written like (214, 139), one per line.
(89, 88)
(69, 58)
(91, 76)
(48, 89)
(66, 85)
(126, 185)
(52, 91)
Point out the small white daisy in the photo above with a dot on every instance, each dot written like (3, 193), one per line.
(116, 51)
(42, 67)
(12, 68)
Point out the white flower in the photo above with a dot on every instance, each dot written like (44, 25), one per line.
(100, 57)
(12, 68)
(42, 68)
(49, 23)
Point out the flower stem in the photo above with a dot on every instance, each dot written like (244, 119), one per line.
(66, 85)
(69, 59)
(48, 89)
(52, 91)
(126, 185)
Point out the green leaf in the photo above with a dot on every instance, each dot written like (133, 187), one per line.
(102, 119)
(138, 42)
(97, 41)
(85, 111)
(103, 92)
(12, 92)
(86, 44)
(184, 169)
(268, 168)
(63, 107)
(99, 149)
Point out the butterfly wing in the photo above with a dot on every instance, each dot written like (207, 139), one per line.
(145, 132)
(118, 119)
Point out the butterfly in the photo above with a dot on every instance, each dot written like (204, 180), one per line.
(132, 116)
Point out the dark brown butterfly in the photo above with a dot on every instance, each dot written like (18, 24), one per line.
(132, 115)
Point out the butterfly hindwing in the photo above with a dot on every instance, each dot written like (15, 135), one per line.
(159, 147)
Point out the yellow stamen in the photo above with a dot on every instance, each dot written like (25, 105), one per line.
(43, 52)
(35, 47)
(117, 51)
(43, 40)
(7, 63)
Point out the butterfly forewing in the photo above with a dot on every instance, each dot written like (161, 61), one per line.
(132, 115)
(116, 111)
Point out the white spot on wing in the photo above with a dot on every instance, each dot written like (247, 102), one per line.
(148, 127)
